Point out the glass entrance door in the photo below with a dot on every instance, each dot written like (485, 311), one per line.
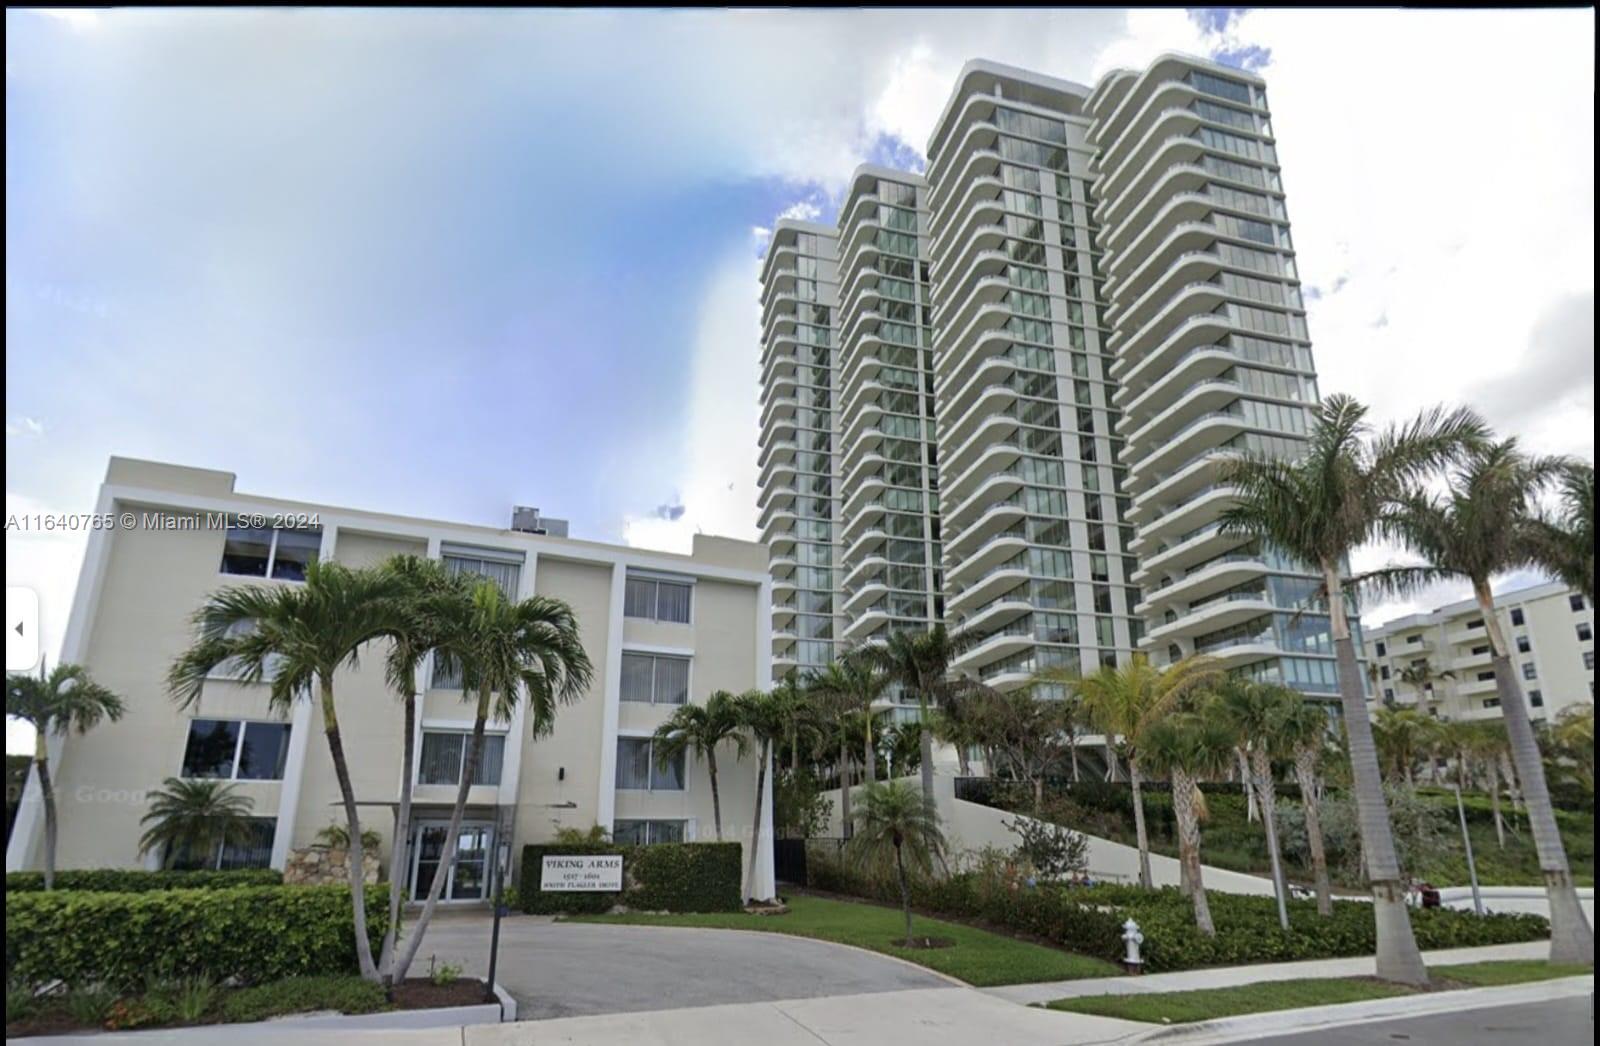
(468, 880)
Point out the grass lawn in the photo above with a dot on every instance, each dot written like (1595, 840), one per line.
(1210, 1003)
(977, 957)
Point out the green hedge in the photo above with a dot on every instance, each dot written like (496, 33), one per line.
(252, 933)
(1088, 919)
(672, 877)
(137, 880)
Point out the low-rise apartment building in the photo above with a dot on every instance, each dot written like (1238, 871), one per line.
(660, 629)
(1439, 662)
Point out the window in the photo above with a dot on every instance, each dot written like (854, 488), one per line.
(1383, 671)
(1575, 601)
(270, 552)
(444, 753)
(655, 599)
(654, 679)
(1585, 632)
(1388, 694)
(236, 750)
(639, 770)
(1476, 622)
(645, 833)
(1536, 698)
(504, 569)
(1529, 671)
(1524, 645)
(1493, 702)
(1382, 649)
(1588, 660)
(254, 852)
(1517, 616)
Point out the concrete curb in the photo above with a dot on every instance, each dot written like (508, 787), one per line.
(1310, 1018)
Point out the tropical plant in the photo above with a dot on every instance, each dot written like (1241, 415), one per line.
(1573, 738)
(54, 702)
(1029, 734)
(1401, 736)
(920, 663)
(902, 746)
(194, 818)
(337, 837)
(296, 638)
(762, 716)
(594, 835)
(1052, 850)
(701, 729)
(1060, 684)
(1563, 542)
(1482, 527)
(1124, 701)
(507, 652)
(1188, 747)
(1304, 732)
(851, 686)
(1255, 713)
(895, 827)
(956, 724)
(1317, 509)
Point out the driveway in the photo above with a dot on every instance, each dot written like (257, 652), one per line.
(577, 969)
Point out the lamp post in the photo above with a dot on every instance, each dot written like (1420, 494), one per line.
(1472, 866)
(502, 858)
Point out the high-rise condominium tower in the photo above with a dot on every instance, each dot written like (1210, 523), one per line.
(1114, 305)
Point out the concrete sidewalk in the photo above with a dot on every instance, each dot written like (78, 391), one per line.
(1230, 976)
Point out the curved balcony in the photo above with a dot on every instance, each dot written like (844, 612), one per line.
(1203, 433)
(1202, 581)
(999, 426)
(967, 157)
(1158, 495)
(982, 203)
(1199, 364)
(1207, 328)
(1170, 419)
(1007, 640)
(864, 591)
(994, 486)
(964, 373)
(997, 459)
(962, 541)
(1197, 298)
(1197, 546)
(1210, 617)
(949, 273)
(1178, 522)
(998, 547)
(859, 572)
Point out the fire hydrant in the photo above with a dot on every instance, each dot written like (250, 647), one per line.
(1132, 962)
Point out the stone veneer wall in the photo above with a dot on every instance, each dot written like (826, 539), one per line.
(324, 866)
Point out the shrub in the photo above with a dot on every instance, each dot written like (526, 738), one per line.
(138, 880)
(674, 877)
(252, 933)
(1054, 851)
(89, 1003)
(346, 994)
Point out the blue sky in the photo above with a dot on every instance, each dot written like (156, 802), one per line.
(441, 262)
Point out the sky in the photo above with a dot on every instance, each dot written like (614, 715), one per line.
(443, 262)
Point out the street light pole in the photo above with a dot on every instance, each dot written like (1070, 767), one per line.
(501, 857)
(1472, 866)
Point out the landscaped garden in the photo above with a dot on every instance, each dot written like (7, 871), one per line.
(1206, 1004)
(967, 953)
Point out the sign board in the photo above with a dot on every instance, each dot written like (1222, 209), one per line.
(600, 873)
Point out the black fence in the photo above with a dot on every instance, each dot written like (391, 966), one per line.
(991, 791)
(789, 857)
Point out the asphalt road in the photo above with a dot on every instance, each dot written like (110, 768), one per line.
(1562, 1022)
(575, 969)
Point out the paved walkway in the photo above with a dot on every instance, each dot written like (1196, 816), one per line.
(1229, 976)
(576, 969)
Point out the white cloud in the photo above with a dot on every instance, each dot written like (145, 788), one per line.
(21, 426)
(715, 483)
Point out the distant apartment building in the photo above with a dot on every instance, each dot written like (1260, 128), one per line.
(660, 629)
(1113, 305)
(1439, 662)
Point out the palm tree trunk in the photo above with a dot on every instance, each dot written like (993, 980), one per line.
(716, 796)
(925, 740)
(1183, 792)
(905, 889)
(1072, 749)
(1138, 823)
(1305, 773)
(1266, 788)
(867, 753)
(358, 881)
(1111, 760)
(447, 856)
(1571, 937)
(400, 851)
(1509, 772)
(755, 833)
(1494, 802)
(47, 792)
(1398, 957)
(1249, 787)
(844, 787)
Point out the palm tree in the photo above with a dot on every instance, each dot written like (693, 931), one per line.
(1304, 731)
(764, 716)
(1401, 735)
(425, 593)
(1564, 544)
(194, 818)
(1187, 747)
(1060, 684)
(903, 745)
(1125, 701)
(920, 663)
(956, 724)
(1574, 740)
(1318, 509)
(296, 637)
(1255, 713)
(701, 730)
(508, 652)
(1483, 527)
(865, 683)
(836, 692)
(54, 702)
(895, 825)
